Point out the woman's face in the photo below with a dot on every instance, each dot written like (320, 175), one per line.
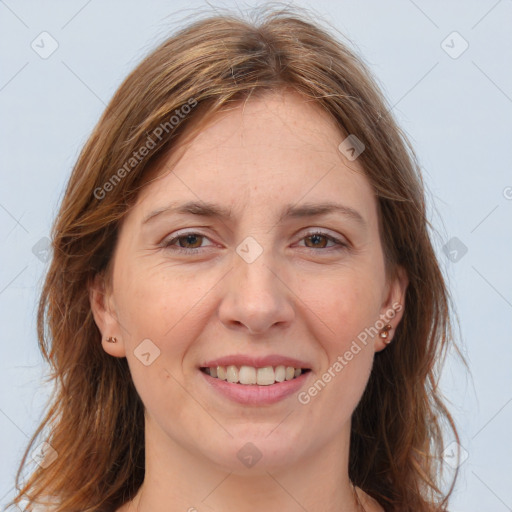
(253, 272)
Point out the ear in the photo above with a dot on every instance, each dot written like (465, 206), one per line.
(103, 311)
(393, 306)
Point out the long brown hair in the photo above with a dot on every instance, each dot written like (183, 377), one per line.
(95, 418)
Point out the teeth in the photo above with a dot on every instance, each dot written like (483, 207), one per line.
(248, 375)
(280, 373)
(232, 374)
(266, 376)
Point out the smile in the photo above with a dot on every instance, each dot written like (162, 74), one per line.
(249, 375)
(251, 386)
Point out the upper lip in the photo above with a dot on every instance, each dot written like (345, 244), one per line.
(256, 362)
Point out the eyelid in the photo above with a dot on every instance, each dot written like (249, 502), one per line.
(168, 240)
(340, 242)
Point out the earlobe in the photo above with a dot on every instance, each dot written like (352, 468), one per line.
(384, 334)
(392, 309)
(105, 318)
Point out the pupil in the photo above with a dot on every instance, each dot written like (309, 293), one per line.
(191, 239)
(315, 239)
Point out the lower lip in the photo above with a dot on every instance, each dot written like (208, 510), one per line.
(254, 394)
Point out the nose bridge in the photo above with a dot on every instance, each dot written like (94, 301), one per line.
(256, 297)
(253, 263)
(259, 277)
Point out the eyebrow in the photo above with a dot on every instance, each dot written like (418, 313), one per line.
(291, 211)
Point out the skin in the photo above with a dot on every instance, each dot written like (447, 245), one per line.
(302, 297)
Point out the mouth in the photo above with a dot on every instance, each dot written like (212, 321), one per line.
(250, 375)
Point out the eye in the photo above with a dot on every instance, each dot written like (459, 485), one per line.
(187, 242)
(319, 239)
(191, 242)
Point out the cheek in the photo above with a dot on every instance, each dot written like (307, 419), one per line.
(162, 305)
(160, 300)
(169, 306)
(342, 310)
(342, 305)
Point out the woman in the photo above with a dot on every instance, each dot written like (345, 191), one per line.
(244, 310)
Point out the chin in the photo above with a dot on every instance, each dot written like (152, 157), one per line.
(257, 449)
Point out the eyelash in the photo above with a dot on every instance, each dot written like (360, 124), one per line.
(168, 244)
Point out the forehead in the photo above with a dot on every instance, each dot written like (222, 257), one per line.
(277, 148)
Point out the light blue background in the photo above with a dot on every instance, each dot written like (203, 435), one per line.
(457, 112)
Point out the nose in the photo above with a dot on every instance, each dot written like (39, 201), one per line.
(257, 296)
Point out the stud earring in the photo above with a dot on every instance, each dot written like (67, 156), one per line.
(111, 339)
(384, 334)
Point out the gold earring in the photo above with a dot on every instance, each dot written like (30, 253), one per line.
(111, 339)
(384, 334)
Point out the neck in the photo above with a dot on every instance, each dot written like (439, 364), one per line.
(178, 479)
